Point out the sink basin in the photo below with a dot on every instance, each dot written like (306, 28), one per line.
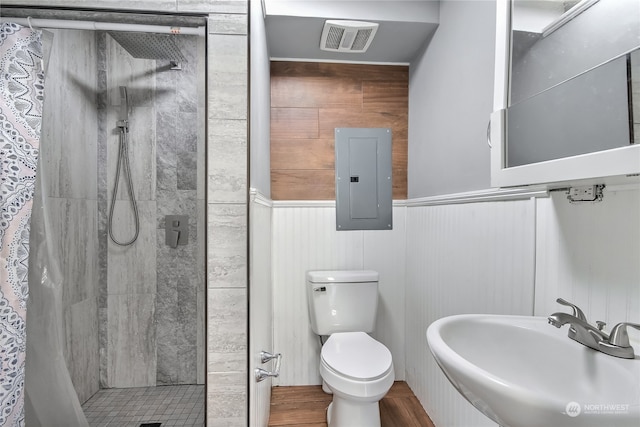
(520, 371)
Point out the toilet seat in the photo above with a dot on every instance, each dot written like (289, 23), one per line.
(357, 356)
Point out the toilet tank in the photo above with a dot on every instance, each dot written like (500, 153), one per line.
(342, 301)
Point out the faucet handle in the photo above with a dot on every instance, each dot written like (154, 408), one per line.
(619, 336)
(576, 310)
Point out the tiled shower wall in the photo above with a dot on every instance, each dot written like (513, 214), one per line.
(227, 206)
(151, 330)
(180, 191)
(146, 338)
(127, 274)
(68, 164)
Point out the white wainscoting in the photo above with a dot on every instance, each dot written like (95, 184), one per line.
(305, 238)
(260, 308)
(457, 256)
(463, 258)
(589, 254)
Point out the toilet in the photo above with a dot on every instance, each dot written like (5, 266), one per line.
(355, 368)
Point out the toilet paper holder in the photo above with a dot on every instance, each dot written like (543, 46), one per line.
(265, 356)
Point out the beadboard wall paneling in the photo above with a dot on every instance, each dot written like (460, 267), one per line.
(463, 258)
(260, 308)
(384, 252)
(305, 238)
(310, 100)
(589, 254)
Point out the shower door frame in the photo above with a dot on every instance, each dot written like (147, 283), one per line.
(226, 189)
(67, 15)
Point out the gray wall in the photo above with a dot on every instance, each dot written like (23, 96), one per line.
(605, 30)
(152, 296)
(127, 274)
(180, 124)
(260, 96)
(450, 100)
(69, 156)
(227, 207)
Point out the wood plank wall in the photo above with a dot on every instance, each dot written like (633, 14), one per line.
(310, 100)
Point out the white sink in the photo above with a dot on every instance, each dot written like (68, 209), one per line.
(520, 371)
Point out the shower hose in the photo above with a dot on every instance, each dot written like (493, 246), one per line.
(123, 159)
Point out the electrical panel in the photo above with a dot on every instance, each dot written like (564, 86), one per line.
(363, 179)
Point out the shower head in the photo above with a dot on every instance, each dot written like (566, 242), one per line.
(149, 45)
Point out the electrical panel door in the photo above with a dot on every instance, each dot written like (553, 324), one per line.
(363, 179)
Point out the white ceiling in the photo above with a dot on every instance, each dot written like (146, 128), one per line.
(294, 28)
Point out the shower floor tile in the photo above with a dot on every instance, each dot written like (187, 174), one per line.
(178, 405)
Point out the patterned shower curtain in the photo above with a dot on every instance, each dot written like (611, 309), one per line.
(21, 100)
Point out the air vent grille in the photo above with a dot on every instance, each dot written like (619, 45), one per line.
(333, 37)
(362, 37)
(347, 36)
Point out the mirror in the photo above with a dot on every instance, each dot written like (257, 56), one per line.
(588, 113)
(575, 67)
(556, 40)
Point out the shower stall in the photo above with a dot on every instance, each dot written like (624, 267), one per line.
(122, 148)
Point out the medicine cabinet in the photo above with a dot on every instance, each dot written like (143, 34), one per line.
(567, 93)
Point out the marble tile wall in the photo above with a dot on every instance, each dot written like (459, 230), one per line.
(128, 281)
(69, 144)
(180, 286)
(227, 196)
(166, 283)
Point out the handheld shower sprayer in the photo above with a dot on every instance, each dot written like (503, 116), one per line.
(123, 158)
(123, 116)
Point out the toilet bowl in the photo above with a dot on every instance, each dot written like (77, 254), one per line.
(359, 372)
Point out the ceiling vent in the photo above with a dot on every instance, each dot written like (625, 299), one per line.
(347, 36)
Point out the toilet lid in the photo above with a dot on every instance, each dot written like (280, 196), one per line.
(357, 355)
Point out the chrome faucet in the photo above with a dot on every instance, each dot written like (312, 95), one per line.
(616, 344)
(580, 330)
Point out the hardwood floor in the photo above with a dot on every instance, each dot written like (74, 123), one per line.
(306, 406)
